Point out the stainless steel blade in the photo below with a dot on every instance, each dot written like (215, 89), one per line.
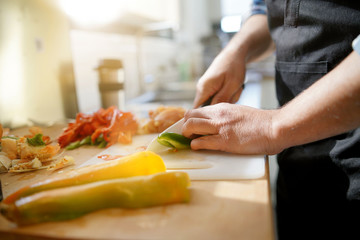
(156, 147)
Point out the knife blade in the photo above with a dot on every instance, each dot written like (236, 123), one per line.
(156, 147)
(175, 160)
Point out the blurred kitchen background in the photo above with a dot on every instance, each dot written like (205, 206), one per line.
(60, 57)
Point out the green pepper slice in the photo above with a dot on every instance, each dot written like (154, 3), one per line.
(174, 140)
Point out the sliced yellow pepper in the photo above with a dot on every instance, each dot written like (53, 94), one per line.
(72, 202)
(137, 164)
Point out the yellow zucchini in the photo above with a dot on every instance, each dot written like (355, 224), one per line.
(137, 164)
(72, 202)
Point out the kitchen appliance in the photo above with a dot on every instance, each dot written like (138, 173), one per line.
(111, 83)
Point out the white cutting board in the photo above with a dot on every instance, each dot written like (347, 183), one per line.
(200, 165)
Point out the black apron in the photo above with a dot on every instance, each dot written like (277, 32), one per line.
(318, 183)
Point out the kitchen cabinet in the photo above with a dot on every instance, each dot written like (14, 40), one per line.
(238, 209)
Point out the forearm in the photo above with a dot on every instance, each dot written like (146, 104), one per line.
(252, 41)
(329, 107)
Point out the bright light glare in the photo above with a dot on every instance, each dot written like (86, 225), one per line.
(92, 12)
(12, 85)
(231, 23)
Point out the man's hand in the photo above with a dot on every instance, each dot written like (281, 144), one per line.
(231, 128)
(223, 80)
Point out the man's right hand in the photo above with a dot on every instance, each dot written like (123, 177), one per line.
(222, 81)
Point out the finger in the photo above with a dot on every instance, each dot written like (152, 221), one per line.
(226, 93)
(197, 113)
(236, 95)
(198, 126)
(206, 88)
(201, 97)
(210, 142)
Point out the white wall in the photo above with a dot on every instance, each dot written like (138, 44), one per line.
(157, 58)
(36, 75)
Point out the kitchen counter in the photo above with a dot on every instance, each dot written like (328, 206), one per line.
(238, 209)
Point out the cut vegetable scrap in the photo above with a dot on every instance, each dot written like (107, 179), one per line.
(43, 153)
(161, 118)
(61, 163)
(5, 163)
(9, 147)
(105, 127)
(32, 165)
(29, 152)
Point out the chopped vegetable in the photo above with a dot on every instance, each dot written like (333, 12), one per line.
(10, 137)
(111, 124)
(32, 165)
(174, 140)
(161, 118)
(61, 163)
(86, 141)
(28, 152)
(5, 163)
(141, 163)
(37, 140)
(77, 144)
(73, 145)
(75, 201)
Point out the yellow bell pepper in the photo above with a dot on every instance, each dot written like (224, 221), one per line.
(72, 202)
(137, 164)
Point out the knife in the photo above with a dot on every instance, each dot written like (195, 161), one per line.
(156, 147)
(182, 159)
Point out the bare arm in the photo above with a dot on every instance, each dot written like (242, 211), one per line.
(226, 74)
(329, 107)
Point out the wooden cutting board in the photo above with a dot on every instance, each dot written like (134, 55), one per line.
(217, 210)
(200, 165)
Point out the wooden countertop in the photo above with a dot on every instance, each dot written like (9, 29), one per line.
(238, 209)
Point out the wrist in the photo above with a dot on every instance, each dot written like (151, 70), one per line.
(278, 132)
(236, 53)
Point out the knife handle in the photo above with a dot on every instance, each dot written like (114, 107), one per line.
(208, 102)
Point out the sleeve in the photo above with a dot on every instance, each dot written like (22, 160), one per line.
(258, 7)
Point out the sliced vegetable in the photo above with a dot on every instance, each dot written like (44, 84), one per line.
(77, 144)
(28, 166)
(10, 137)
(61, 163)
(111, 123)
(86, 141)
(73, 145)
(5, 163)
(72, 202)
(174, 140)
(137, 164)
(37, 140)
(102, 144)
